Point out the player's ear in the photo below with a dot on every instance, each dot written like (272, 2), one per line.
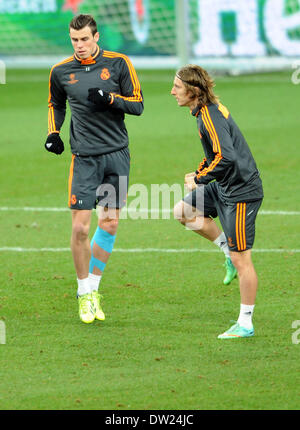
(96, 36)
(195, 93)
(192, 94)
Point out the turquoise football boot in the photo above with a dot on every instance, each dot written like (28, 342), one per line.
(236, 331)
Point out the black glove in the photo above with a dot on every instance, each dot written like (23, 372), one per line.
(54, 143)
(99, 97)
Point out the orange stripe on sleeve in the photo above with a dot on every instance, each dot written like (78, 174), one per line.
(224, 111)
(137, 96)
(211, 129)
(207, 126)
(51, 123)
(67, 60)
(51, 119)
(212, 165)
(201, 164)
(215, 140)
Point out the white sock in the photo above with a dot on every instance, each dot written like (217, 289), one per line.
(221, 242)
(245, 317)
(83, 286)
(94, 281)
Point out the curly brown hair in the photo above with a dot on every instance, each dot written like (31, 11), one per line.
(195, 78)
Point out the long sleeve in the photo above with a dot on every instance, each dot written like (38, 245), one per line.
(56, 104)
(130, 99)
(202, 165)
(218, 141)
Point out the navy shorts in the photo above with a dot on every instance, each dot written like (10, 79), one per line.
(236, 218)
(100, 179)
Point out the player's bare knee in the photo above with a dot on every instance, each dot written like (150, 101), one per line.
(234, 256)
(113, 224)
(110, 225)
(80, 231)
(178, 212)
(240, 260)
(183, 212)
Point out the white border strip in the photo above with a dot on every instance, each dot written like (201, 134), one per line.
(144, 250)
(235, 65)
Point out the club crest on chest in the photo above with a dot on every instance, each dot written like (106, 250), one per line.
(105, 74)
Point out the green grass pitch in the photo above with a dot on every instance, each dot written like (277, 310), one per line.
(158, 348)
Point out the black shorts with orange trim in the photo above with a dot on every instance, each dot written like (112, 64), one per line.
(236, 218)
(101, 179)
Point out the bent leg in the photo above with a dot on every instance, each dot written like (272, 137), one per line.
(103, 239)
(206, 227)
(194, 220)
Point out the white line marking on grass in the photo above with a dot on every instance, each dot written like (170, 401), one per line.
(187, 250)
(130, 210)
(263, 212)
(19, 249)
(30, 209)
(144, 250)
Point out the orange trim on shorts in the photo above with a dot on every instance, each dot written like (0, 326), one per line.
(71, 179)
(240, 226)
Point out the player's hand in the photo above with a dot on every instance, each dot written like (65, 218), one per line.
(189, 175)
(54, 143)
(99, 97)
(189, 182)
